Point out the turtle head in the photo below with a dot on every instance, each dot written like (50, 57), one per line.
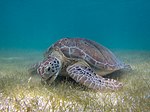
(49, 68)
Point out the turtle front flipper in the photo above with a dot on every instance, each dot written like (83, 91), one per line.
(83, 74)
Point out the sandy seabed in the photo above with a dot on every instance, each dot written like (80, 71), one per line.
(20, 91)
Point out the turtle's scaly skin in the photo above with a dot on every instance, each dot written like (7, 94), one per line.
(83, 60)
(86, 76)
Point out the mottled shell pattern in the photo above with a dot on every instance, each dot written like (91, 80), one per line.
(93, 53)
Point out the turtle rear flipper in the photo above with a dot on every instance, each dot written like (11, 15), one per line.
(127, 68)
(85, 75)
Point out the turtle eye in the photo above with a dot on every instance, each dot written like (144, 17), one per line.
(48, 68)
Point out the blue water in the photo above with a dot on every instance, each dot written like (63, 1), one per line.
(36, 24)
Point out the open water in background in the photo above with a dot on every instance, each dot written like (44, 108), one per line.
(36, 24)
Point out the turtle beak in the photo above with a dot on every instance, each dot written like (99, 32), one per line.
(52, 78)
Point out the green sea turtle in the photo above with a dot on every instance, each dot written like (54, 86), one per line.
(83, 60)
